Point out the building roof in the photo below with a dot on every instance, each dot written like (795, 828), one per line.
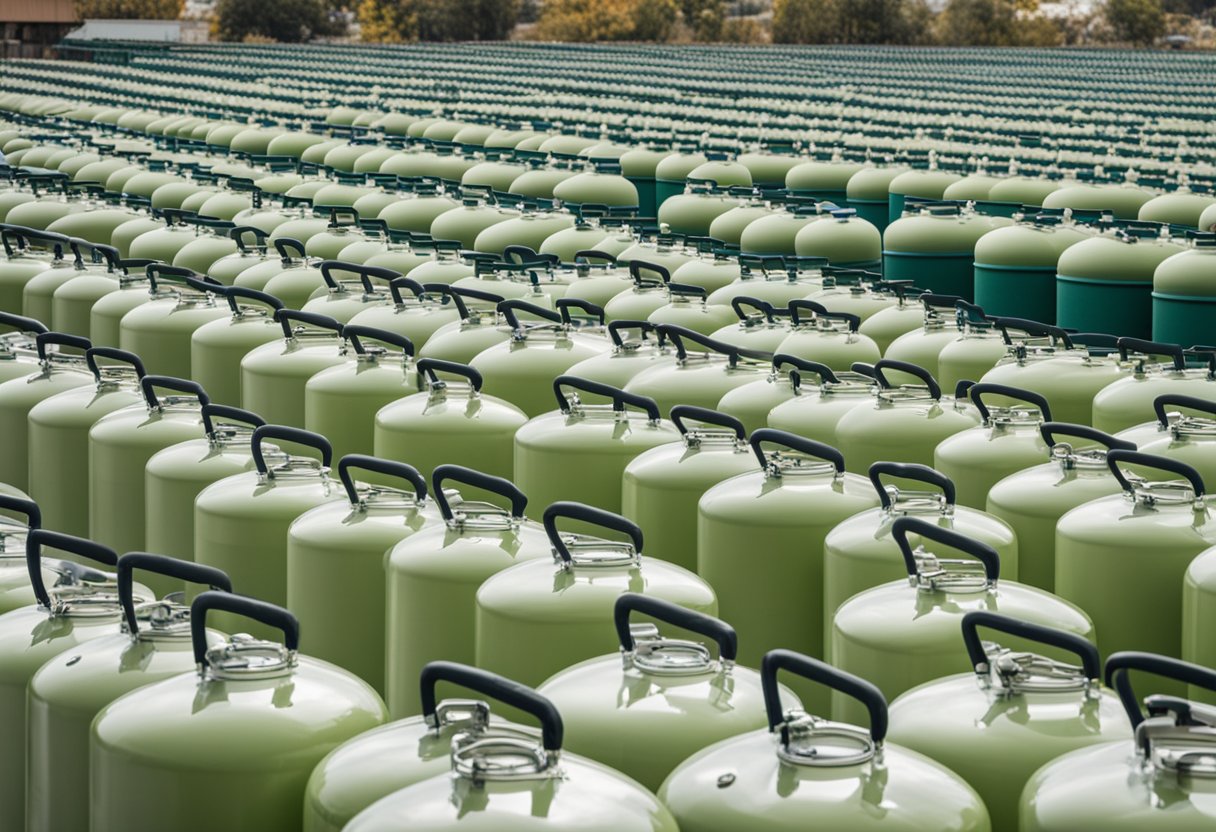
(37, 11)
(147, 30)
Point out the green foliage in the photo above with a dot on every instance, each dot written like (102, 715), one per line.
(129, 9)
(590, 21)
(288, 21)
(996, 23)
(1136, 21)
(851, 21)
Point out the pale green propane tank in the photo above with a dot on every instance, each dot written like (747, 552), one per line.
(294, 709)
(661, 487)
(1132, 784)
(861, 552)
(335, 561)
(924, 185)
(1006, 441)
(241, 522)
(1015, 266)
(1156, 368)
(672, 698)
(844, 239)
(68, 692)
(78, 604)
(935, 247)
(704, 370)
(274, 375)
(868, 191)
(1183, 430)
(1182, 295)
(174, 476)
(802, 770)
(59, 436)
(774, 593)
(1124, 201)
(159, 331)
(824, 180)
(1024, 709)
(341, 401)
(571, 597)
(905, 633)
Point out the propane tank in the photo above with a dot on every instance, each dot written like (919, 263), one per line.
(581, 449)
(773, 278)
(704, 371)
(905, 632)
(435, 574)
(1128, 401)
(825, 337)
(136, 286)
(80, 605)
(939, 326)
(72, 302)
(1021, 708)
(59, 436)
(57, 371)
(241, 522)
(1066, 369)
(803, 770)
(73, 687)
(23, 261)
(1182, 295)
(570, 600)
(349, 289)
(159, 330)
(293, 709)
(174, 476)
(1015, 266)
(777, 601)
(18, 356)
(1008, 440)
(480, 326)
(488, 785)
(217, 347)
(416, 310)
(20, 515)
(522, 370)
(662, 486)
(978, 348)
(815, 411)
(1033, 499)
(1101, 546)
(1148, 783)
(752, 403)
(861, 552)
(628, 357)
(671, 699)
(905, 315)
(335, 561)
(274, 375)
(385, 760)
(902, 423)
(38, 294)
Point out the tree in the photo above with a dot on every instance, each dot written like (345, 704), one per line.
(129, 9)
(289, 21)
(851, 21)
(803, 21)
(1136, 21)
(654, 20)
(590, 21)
(978, 23)
(397, 21)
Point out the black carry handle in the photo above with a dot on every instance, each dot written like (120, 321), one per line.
(211, 412)
(1178, 400)
(261, 611)
(158, 271)
(924, 375)
(477, 479)
(237, 235)
(285, 245)
(619, 397)
(22, 323)
(387, 467)
(674, 614)
(355, 334)
(148, 385)
(1174, 351)
(794, 306)
(817, 671)
(509, 307)
(1161, 463)
(740, 304)
(396, 284)
(564, 305)
(587, 514)
(43, 339)
(678, 334)
(637, 266)
(1091, 662)
(233, 294)
(1117, 665)
(644, 328)
(183, 570)
(429, 368)
(284, 317)
(710, 417)
(1050, 430)
(93, 353)
(288, 434)
(910, 471)
(1035, 329)
(981, 551)
(934, 300)
(801, 365)
(489, 684)
(79, 546)
(594, 254)
(20, 505)
(980, 389)
(366, 273)
(109, 254)
(458, 293)
(794, 442)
